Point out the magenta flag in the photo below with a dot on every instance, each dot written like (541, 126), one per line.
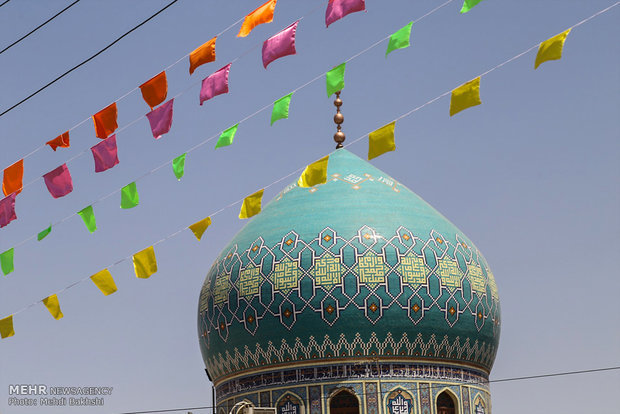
(7, 209)
(215, 84)
(337, 9)
(105, 154)
(59, 181)
(161, 119)
(280, 45)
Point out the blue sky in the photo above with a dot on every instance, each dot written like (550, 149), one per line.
(531, 176)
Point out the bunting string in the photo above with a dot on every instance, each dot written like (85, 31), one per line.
(297, 171)
(214, 136)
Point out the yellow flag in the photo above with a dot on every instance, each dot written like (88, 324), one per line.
(465, 96)
(314, 174)
(551, 49)
(199, 227)
(52, 305)
(251, 205)
(144, 263)
(103, 280)
(6, 327)
(381, 141)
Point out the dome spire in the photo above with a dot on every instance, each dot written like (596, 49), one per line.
(339, 136)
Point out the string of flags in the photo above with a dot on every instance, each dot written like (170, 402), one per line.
(145, 264)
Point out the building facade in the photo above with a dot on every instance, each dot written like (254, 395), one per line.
(354, 296)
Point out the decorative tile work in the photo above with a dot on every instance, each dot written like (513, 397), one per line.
(425, 398)
(289, 404)
(265, 399)
(399, 401)
(450, 273)
(372, 401)
(327, 270)
(285, 275)
(413, 269)
(315, 399)
(220, 293)
(371, 268)
(465, 399)
(249, 281)
(474, 274)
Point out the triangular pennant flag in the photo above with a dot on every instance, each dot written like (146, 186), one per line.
(551, 49)
(105, 154)
(7, 210)
(129, 196)
(280, 45)
(314, 174)
(201, 55)
(6, 327)
(215, 84)
(399, 39)
(103, 280)
(280, 108)
(12, 181)
(61, 141)
(199, 227)
(468, 5)
(161, 119)
(155, 90)
(226, 137)
(251, 205)
(178, 166)
(43, 234)
(465, 96)
(381, 141)
(105, 121)
(59, 182)
(6, 261)
(334, 79)
(88, 217)
(263, 14)
(337, 9)
(144, 263)
(52, 305)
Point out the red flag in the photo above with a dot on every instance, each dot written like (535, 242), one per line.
(7, 209)
(13, 178)
(105, 121)
(161, 119)
(105, 154)
(280, 45)
(215, 84)
(155, 90)
(337, 9)
(61, 141)
(58, 181)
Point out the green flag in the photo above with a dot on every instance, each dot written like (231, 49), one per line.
(468, 5)
(280, 108)
(6, 261)
(88, 216)
(129, 196)
(44, 233)
(227, 137)
(400, 39)
(334, 79)
(178, 166)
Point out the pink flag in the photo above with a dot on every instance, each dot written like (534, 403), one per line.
(7, 209)
(105, 154)
(337, 9)
(161, 119)
(215, 84)
(59, 181)
(280, 45)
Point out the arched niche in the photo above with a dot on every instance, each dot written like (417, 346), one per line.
(480, 406)
(290, 403)
(344, 401)
(446, 403)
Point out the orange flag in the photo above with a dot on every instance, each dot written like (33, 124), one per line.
(155, 90)
(13, 178)
(264, 14)
(201, 55)
(105, 121)
(61, 141)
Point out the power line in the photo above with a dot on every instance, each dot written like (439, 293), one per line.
(38, 27)
(530, 377)
(89, 59)
(5, 2)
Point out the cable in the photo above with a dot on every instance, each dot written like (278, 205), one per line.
(555, 374)
(38, 27)
(5, 2)
(88, 60)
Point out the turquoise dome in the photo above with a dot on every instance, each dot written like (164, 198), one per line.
(357, 268)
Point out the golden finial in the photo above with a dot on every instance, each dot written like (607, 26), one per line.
(338, 119)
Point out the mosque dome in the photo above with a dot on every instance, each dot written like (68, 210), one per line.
(356, 269)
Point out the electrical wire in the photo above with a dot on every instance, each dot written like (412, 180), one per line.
(38, 27)
(511, 379)
(88, 59)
